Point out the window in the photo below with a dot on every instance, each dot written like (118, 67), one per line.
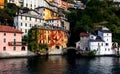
(105, 49)
(4, 40)
(4, 48)
(26, 5)
(30, 25)
(35, 6)
(26, 24)
(14, 34)
(25, 18)
(107, 39)
(98, 44)
(21, 17)
(97, 49)
(23, 48)
(4, 34)
(106, 44)
(102, 44)
(14, 48)
(108, 49)
(14, 41)
(21, 24)
(30, 18)
(25, 30)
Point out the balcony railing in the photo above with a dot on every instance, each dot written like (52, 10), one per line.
(17, 43)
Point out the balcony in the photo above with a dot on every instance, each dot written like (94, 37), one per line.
(17, 43)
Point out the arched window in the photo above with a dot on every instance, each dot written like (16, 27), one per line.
(23, 48)
(57, 47)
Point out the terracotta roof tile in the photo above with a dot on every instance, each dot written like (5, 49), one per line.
(9, 29)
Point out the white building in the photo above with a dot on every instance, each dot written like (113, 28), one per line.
(116, 0)
(25, 21)
(32, 4)
(101, 43)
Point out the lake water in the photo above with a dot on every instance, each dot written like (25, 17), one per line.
(60, 65)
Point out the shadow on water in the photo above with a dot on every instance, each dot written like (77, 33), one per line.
(71, 53)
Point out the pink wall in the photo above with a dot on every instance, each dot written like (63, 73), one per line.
(10, 38)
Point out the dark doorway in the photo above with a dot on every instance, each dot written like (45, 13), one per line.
(23, 48)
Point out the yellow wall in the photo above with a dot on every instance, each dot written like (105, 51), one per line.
(1, 3)
(49, 14)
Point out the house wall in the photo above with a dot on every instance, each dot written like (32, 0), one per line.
(53, 38)
(84, 43)
(97, 46)
(24, 23)
(2, 3)
(10, 38)
(48, 14)
(31, 4)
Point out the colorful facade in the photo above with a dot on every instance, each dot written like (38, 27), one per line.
(11, 42)
(46, 17)
(1, 4)
(53, 38)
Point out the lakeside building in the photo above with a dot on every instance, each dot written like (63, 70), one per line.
(51, 22)
(2, 4)
(83, 43)
(11, 42)
(55, 38)
(101, 43)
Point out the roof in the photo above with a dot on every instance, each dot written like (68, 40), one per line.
(98, 39)
(83, 34)
(106, 31)
(9, 29)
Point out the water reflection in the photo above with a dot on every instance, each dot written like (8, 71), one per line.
(13, 66)
(47, 65)
(60, 65)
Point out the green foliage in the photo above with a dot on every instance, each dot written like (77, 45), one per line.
(33, 44)
(97, 13)
(92, 53)
(7, 14)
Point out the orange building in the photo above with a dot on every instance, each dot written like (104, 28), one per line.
(1, 4)
(53, 38)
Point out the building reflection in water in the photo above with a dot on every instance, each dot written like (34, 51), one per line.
(13, 66)
(104, 65)
(47, 65)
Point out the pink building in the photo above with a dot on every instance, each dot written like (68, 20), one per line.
(11, 42)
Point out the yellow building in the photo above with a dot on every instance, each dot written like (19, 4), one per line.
(1, 4)
(50, 14)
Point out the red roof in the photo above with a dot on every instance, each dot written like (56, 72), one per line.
(9, 29)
